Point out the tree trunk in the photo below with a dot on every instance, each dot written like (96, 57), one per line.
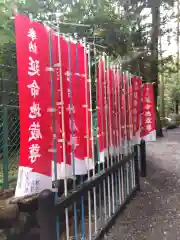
(177, 107)
(154, 58)
(177, 60)
(161, 85)
(159, 132)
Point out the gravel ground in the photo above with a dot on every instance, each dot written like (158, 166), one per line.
(155, 213)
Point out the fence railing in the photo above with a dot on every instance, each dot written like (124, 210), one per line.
(89, 211)
(9, 144)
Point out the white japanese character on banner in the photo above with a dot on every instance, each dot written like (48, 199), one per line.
(135, 103)
(147, 107)
(135, 95)
(59, 110)
(69, 93)
(70, 109)
(34, 89)
(147, 100)
(148, 114)
(33, 47)
(34, 150)
(35, 132)
(72, 125)
(148, 120)
(73, 141)
(136, 86)
(147, 90)
(32, 34)
(33, 67)
(149, 127)
(134, 119)
(68, 74)
(134, 111)
(35, 111)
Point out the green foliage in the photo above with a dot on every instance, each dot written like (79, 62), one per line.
(122, 32)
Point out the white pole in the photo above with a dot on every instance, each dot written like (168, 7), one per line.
(92, 135)
(87, 137)
(119, 137)
(103, 133)
(107, 135)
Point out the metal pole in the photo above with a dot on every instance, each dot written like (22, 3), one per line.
(87, 137)
(119, 137)
(130, 129)
(72, 128)
(125, 137)
(113, 134)
(107, 135)
(62, 119)
(5, 147)
(97, 142)
(103, 134)
(117, 132)
(122, 136)
(74, 179)
(92, 135)
(54, 130)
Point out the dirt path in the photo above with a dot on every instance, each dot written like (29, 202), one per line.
(155, 213)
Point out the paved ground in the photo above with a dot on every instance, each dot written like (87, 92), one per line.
(155, 213)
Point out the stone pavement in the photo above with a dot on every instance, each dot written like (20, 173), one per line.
(155, 212)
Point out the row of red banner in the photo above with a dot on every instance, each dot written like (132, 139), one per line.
(44, 57)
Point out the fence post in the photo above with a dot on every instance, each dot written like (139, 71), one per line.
(143, 158)
(46, 215)
(5, 146)
(136, 165)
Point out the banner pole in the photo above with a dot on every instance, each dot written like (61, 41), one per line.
(125, 150)
(92, 134)
(63, 126)
(101, 108)
(74, 179)
(82, 201)
(97, 132)
(111, 133)
(71, 119)
(87, 135)
(107, 135)
(51, 70)
(62, 109)
(130, 126)
(117, 132)
(120, 135)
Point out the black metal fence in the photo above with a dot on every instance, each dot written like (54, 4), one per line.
(104, 195)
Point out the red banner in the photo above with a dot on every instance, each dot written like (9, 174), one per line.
(116, 108)
(73, 160)
(119, 92)
(122, 106)
(148, 127)
(101, 110)
(64, 168)
(111, 110)
(81, 103)
(34, 99)
(136, 105)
